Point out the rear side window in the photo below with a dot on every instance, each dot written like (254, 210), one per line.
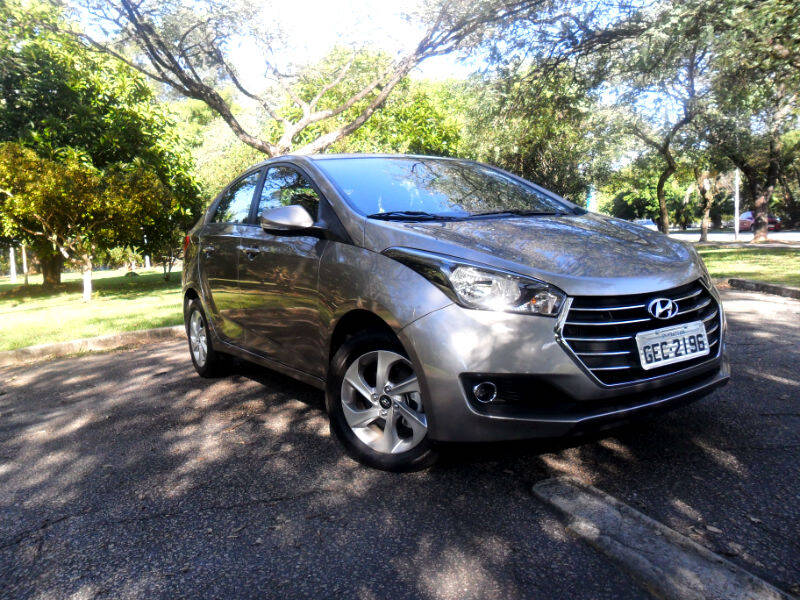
(284, 186)
(235, 204)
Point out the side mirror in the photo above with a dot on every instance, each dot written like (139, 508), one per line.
(286, 218)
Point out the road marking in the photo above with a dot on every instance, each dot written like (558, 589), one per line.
(666, 563)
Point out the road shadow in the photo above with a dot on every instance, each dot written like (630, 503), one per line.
(126, 475)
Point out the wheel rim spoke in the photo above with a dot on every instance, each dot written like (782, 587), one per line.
(389, 442)
(416, 421)
(405, 387)
(385, 362)
(357, 418)
(354, 378)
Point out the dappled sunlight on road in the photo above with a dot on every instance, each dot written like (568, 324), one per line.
(166, 473)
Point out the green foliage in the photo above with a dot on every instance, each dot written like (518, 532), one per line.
(90, 116)
(419, 118)
(74, 206)
(630, 193)
(546, 129)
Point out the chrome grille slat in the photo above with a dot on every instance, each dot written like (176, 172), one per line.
(607, 348)
(698, 292)
(599, 339)
(694, 308)
(606, 323)
(632, 307)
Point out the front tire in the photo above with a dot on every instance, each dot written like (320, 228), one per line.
(375, 404)
(206, 360)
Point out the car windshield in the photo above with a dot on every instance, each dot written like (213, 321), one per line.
(419, 188)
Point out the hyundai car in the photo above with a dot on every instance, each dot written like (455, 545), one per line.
(445, 300)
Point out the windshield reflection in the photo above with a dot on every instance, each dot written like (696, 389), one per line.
(419, 187)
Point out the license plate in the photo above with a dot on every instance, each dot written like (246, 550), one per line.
(673, 344)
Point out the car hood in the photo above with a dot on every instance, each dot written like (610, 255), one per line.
(586, 254)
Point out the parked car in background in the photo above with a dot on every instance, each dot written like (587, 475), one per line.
(747, 220)
(446, 300)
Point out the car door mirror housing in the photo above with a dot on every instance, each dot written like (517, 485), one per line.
(286, 218)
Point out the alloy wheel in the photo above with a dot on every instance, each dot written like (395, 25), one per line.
(382, 402)
(197, 338)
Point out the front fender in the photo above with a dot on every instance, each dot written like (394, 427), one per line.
(352, 278)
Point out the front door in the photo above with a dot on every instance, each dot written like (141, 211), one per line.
(278, 277)
(219, 257)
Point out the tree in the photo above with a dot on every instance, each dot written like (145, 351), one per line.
(185, 48)
(547, 129)
(729, 65)
(631, 191)
(62, 100)
(755, 90)
(73, 206)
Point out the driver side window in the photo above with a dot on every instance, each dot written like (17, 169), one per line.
(284, 186)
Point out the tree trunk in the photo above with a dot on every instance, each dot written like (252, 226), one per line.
(760, 211)
(704, 222)
(707, 199)
(12, 264)
(790, 203)
(86, 269)
(51, 269)
(663, 221)
(25, 263)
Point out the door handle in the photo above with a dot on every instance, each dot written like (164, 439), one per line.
(208, 250)
(250, 251)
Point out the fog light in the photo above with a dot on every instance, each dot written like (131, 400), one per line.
(484, 392)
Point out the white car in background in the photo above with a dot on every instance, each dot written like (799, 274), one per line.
(646, 223)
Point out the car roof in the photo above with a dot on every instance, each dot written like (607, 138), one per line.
(318, 157)
(301, 158)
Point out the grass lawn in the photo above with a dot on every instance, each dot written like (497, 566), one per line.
(772, 265)
(29, 315)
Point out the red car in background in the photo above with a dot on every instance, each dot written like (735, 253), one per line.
(746, 221)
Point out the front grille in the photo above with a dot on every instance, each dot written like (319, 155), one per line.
(601, 331)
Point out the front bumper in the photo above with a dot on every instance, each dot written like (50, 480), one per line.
(558, 397)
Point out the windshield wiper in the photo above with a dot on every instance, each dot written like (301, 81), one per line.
(520, 213)
(409, 215)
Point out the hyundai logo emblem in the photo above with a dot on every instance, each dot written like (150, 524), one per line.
(662, 308)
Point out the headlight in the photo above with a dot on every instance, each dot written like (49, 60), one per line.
(479, 287)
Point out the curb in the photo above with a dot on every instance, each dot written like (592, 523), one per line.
(95, 344)
(765, 288)
(664, 562)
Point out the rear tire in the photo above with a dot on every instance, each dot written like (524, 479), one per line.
(207, 361)
(379, 418)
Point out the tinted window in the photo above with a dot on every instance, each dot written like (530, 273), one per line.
(235, 204)
(441, 187)
(284, 186)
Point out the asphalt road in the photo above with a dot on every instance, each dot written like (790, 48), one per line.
(125, 475)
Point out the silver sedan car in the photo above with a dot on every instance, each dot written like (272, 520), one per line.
(440, 300)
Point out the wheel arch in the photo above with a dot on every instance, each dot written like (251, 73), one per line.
(353, 322)
(189, 294)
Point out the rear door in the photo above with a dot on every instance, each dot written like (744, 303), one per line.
(278, 275)
(219, 257)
